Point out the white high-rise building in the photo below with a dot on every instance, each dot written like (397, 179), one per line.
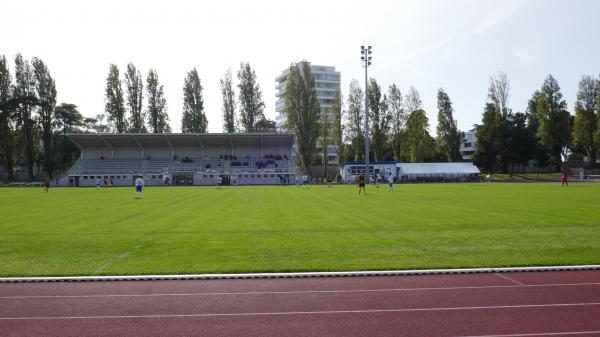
(468, 145)
(327, 83)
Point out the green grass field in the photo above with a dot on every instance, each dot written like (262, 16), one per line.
(84, 231)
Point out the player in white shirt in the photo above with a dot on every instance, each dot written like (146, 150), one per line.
(97, 183)
(390, 180)
(139, 186)
(378, 180)
(234, 180)
(305, 180)
(219, 182)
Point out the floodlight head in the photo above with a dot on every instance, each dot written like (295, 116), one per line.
(370, 58)
(362, 58)
(362, 52)
(370, 47)
(370, 52)
(362, 47)
(369, 63)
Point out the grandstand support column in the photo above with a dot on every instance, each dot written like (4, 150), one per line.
(231, 143)
(201, 145)
(81, 151)
(170, 146)
(139, 145)
(262, 155)
(112, 150)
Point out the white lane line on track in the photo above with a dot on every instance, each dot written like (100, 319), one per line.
(508, 278)
(304, 291)
(541, 334)
(368, 311)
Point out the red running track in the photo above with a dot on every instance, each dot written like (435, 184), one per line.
(537, 304)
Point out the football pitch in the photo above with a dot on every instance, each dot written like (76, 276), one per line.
(173, 230)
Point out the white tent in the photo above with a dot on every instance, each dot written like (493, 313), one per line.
(436, 171)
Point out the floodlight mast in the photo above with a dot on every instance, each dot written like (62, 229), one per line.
(366, 62)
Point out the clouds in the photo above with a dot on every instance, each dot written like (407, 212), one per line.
(501, 14)
(525, 56)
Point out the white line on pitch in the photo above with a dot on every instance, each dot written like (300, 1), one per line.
(508, 278)
(296, 274)
(524, 306)
(305, 291)
(541, 334)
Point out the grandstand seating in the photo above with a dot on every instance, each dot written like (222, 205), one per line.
(139, 166)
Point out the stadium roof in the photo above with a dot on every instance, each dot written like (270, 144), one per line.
(437, 168)
(180, 139)
(386, 162)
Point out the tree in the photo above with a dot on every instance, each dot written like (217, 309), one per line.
(134, 85)
(337, 131)
(540, 152)
(354, 124)
(46, 95)
(448, 135)
(8, 134)
(193, 117)
(228, 107)
(412, 101)
(98, 124)
(158, 119)
(398, 119)
(114, 105)
(487, 135)
(325, 136)
(250, 98)
(265, 125)
(584, 127)
(302, 109)
(24, 91)
(379, 119)
(419, 141)
(521, 143)
(67, 120)
(498, 92)
(553, 117)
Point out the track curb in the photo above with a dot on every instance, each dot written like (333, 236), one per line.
(296, 275)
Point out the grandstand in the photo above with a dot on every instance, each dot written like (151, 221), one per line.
(182, 159)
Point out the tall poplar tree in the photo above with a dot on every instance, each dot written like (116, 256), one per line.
(398, 119)
(8, 134)
(114, 104)
(45, 89)
(379, 118)
(586, 117)
(134, 86)
(228, 107)
(250, 98)
(24, 91)
(193, 117)
(355, 134)
(158, 119)
(448, 136)
(302, 109)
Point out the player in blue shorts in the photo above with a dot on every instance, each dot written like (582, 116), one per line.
(139, 187)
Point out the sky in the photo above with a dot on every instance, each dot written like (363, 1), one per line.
(455, 45)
